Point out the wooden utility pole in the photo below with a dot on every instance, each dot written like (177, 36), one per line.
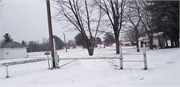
(65, 41)
(50, 31)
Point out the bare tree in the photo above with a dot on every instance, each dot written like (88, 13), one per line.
(146, 21)
(129, 35)
(83, 17)
(114, 9)
(133, 15)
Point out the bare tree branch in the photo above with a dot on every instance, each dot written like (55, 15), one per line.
(79, 14)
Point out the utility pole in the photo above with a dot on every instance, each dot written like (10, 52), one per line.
(65, 41)
(50, 32)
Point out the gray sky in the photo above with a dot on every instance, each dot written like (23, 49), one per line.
(27, 20)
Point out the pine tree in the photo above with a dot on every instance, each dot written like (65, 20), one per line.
(72, 43)
(23, 43)
(80, 40)
(7, 38)
(98, 41)
(165, 18)
(59, 42)
(109, 38)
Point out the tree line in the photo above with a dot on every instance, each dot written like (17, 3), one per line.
(131, 18)
(151, 17)
(36, 46)
(108, 38)
(134, 18)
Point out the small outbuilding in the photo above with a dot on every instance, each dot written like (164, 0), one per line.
(67, 47)
(157, 40)
(106, 45)
(11, 50)
(125, 43)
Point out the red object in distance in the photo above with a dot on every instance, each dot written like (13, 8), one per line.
(120, 44)
(47, 53)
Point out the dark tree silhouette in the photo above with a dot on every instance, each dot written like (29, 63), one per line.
(80, 41)
(72, 43)
(23, 43)
(7, 38)
(109, 38)
(98, 41)
(59, 42)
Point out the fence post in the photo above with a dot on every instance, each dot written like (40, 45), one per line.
(120, 57)
(7, 75)
(48, 61)
(144, 54)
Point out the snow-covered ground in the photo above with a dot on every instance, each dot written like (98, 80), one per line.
(163, 70)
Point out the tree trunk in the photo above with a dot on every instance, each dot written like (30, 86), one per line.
(90, 51)
(150, 36)
(176, 42)
(151, 42)
(137, 44)
(117, 44)
(132, 43)
(177, 39)
(166, 43)
(90, 45)
(160, 41)
(172, 44)
(136, 35)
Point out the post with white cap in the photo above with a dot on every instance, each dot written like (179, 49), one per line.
(120, 57)
(144, 54)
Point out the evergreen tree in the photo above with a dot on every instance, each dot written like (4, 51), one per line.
(71, 43)
(165, 18)
(109, 38)
(98, 41)
(7, 38)
(23, 43)
(59, 42)
(80, 40)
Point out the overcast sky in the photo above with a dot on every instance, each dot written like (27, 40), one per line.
(27, 20)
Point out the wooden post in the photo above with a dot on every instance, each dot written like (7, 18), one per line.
(120, 57)
(50, 31)
(144, 54)
(7, 75)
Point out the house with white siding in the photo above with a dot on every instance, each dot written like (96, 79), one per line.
(11, 50)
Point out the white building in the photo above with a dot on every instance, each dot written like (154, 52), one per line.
(12, 50)
(157, 40)
(100, 45)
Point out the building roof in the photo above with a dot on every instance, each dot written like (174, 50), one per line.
(125, 42)
(155, 35)
(12, 45)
